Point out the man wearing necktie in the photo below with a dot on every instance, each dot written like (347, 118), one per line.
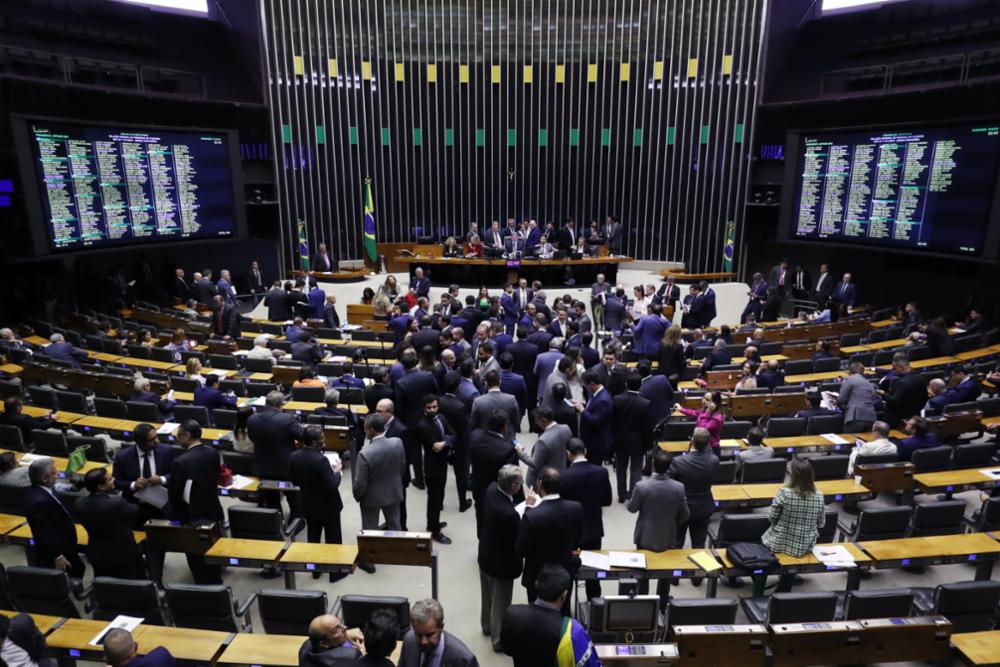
(845, 292)
(437, 439)
(256, 282)
(496, 236)
(52, 525)
(322, 260)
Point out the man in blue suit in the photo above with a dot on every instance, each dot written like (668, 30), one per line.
(614, 310)
(225, 287)
(60, 349)
(962, 388)
(294, 331)
(708, 297)
(510, 309)
(148, 463)
(657, 390)
(524, 355)
(756, 294)
(420, 284)
(120, 649)
(648, 333)
(595, 419)
(501, 339)
(211, 398)
(317, 300)
(532, 236)
(845, 292)
(512, 383)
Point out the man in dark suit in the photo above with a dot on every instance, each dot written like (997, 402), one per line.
(632, 432)
(426, 643)
(755, 298)
(510, 309)
(823, 288)
(306, 351)
(524, 355)
(179, 288)
(780, 278)
(612, 231)
(435, 436)
(615, 313)
(657, 390)
(668, 294)
(108, 519)
(426, 336)
(204, 288)
(121, 650)
(318, 480)
(567, 235)
(906, 395)
(273, 434)
(225, 319)
(589, 485)
(550, 531)
(499, 562)
(801, 283)
(410, 391)
(595, 419)
(323, 261)
(512, 383)
(379, 388)
(50, 520)
(316, 298)
(194, 492)
(331, 318)
(695, 471)
(13, 415)
(143, 395)
(327, 645)
(63, 351)
(420, 284)
(453, 410)
(770, 375)
(489, 450)
(523, 295)
(255, 281)
(845, 292)
(296, 301)
(276, 300)
(532, 236)
(563, 410)
(211, 398)
(648, 333)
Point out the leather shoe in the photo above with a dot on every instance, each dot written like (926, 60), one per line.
(442, 524)
(367, 567)
(464, 505)
(316, 575)
(418, 485)
(441, 538)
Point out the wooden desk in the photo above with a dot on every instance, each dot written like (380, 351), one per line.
(669, 563)
(730, 495)
(955, 481)
(37, 340)
(22, 536)
(62, 417)
(9, 522)
(978, 548)
(760, 495)
(810, 564)
(264, 650)
(245, 553)
(755, 405)
(71, 639)
(809, 378)
(11, 369)
(43, 622)
(307, 406)
(307, 557)
(181, 369)
(62, 463)
(201, 646)
(124, 427)
(978, 648)
(147, 364)
(979, 353)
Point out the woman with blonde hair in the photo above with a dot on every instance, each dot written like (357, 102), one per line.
(194, 368)
(451, 248)
(671, 355)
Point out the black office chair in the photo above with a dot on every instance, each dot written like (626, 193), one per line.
(137, 351)
(354, 610)
(884, 523)
(986, 518)
(734, 429)
(240, 463)
(798, 367)
(960, 407)
(12, 500)
(680, 430)
(42, 397)
(111, 597)
(223, 361)
(763, 470)
(97, 448)
(918, 352)
(783, 427)
(833, 466)
(696, 611)
(11, 438)
(237, 386)
(990, 406)
(110, 407)
(973, 455)
(971, 606)
(254, 365)
(825, 424)
(256, 389)
(9, 389)
(178, 383)
(71, 401)
(161, 354)
(48, 443)
(199, 413)
(894, 603)
(327, 420)
(309, 394)
(849, 339)
(931, 459)
(225, 419)
(876, 458)
(791, 608)
(209, 607)
(285, 612)
(193, 354)
(826, 365)
(141, 411)
(260, 523)
(944, 517)
(725, 472)
(828, 533)
(42, 590)
(735, 528)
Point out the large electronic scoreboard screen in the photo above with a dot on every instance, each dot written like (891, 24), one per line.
(922, 189)
(109, 185)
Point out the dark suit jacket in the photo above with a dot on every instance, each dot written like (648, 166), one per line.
(158, 657)
(549, 533)
(424, 337)
(278, 307)
(410, 391)
(163, 405)
(24, 633)
(566, 240)
(65, 352)
(455, 653)
(531, 633)
(229, 324)
(632, 424)
(695, 470)
(51, 525)
(180, 289)
(452, 408)
(614, 313)
(658, 390)
(128, 467)
(565, 414)
(666, 299)
(309, 353)
(716, 358)
(595, 424)
(427, 433)
(331, 318)
(200, 465)
(376, 393)
(108, 520)
(339, 656)
(589, 485)
(906, 398)
(498, 528)
(487, 454)
(26, 423)
(846, 294)
(319, 486)
(422, 286)
(770, 379)
(212, 398)
(273, 434)
(205, 289)
(324, 261)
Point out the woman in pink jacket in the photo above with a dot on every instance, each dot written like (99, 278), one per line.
(709, 416)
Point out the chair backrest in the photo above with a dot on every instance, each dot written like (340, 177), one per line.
(97, 448)
(681, 430)
(50, 444)
(828, 533)
(798, 366)
(724, 473)
(138, 351)
(202, 607)
(129, 597)
(876, 458)
(11, 438)
(41, 590)
(12, 500)
(709, 611)
(255, 389)
(255, 523)
(931, 459)
(255, 365)
(178, 383)
(354, 610)
(989, 406)
(199, 413)
(735, 429)
(973, 455)
(240, 462)
(223, 361)
(918, 352)
(826, 365)
(224, 418)
(849, 339)
(142, 411)
(42, 397)
(884, 523)
(830, 467)
(110, 407)
(309, 394)
(161, 354)
(735, 528)
(971, 606)
(8, 389)
(285, 612)
(237, 386)
(764, 470)
(780, 427)
(878, 604)
(943, 517)
(71, 401)
(802, 607)
(989, 515)
(825, 424)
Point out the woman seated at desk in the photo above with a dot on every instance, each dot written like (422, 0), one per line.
(307, 378)
(474, 248)
(179, 343)
(451, 248)
(194, 369)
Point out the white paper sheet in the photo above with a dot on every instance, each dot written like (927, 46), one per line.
(332, 457)
(992, 473)
(129, 623)
(834, 555)
(28, 459)
(186, 494)
(154, 494)
(595, 560)
(241, 482)
(627, 559)
(520, 507)
(835, 439)
(167, 428)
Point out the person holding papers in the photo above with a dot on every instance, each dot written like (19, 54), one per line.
(107, 517)
(797, 513)
(880, 445)
(194, 492)
(588, 484)
(318, 480)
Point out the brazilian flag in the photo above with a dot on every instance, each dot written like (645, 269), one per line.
(371, 247)
(303, 246)
(730, 249)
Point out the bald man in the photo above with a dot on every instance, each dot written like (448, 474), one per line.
(120, 649)
(328, 644)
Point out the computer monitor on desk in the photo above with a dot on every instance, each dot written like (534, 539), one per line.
(623, 613)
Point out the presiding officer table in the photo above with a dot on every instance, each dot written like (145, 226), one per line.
(483, 271)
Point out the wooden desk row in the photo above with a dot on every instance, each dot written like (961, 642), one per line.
(298, 407)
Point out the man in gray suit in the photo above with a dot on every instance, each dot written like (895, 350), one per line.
(857, 400)
(378, 484)
(662, 508)
(427, 643)
(495, 400)
(486, 360)
(549, 449)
